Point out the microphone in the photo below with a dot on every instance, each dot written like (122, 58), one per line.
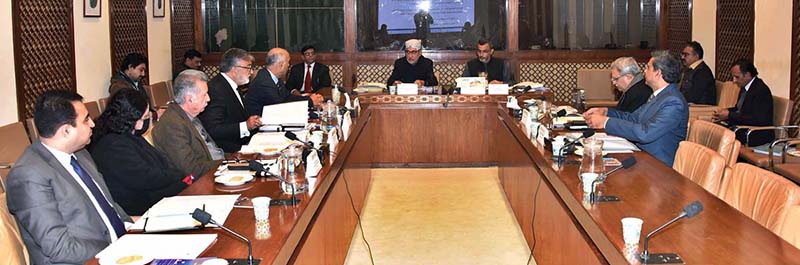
(586, 134)
(264, 172)
(626, 163)
(660, 258)
(292, 136)
(205, 218)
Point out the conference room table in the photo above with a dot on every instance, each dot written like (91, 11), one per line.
(546, 197)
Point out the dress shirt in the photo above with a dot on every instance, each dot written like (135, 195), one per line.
(243, 131)
(65, 160)
(695, 64)
(309, 68)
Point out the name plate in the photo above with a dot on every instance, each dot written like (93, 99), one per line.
(498, 89)
(473, 90)
(407, 89)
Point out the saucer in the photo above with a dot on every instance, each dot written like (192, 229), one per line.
(233, 179)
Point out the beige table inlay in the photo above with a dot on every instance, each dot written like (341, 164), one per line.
(438, 216)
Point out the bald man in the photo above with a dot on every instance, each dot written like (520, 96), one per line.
(268, 89)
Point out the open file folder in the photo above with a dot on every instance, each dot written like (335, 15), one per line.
(175, 213)
(290, 114)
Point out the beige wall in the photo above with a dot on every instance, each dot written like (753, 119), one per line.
(772, 41)
(8, 86)
(92, 55)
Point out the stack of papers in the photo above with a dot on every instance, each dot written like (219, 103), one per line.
(615, 144)
(148, 247)
(268, 143)
(175, 213)
(286, 114)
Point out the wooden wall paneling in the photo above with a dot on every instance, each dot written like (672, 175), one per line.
(128, 29)
(44, 50)
(679, 24)
(735, 34)
(182, 28)
(795, 81)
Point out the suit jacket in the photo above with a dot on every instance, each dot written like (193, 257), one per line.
(657, 126)
(407, 73)
(176, 137)
(137, 174)
(263, 91)
(634, 97)
(756, 111)
(320, 77)
(57, 219)
(698, 85)
(223, 114)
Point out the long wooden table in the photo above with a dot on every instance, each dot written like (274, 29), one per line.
(566, 229)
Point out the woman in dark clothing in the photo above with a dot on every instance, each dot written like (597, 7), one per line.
(136, 173)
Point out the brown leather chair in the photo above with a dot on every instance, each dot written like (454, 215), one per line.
(159, 96)
(13, 141)
(94, 109)
(12, 248)
(791, 232)
(716, 138)
(597, 87)
(782, 113)
(702, 165)
(760, 194)
(787, 165)
(169, 90)
(102, 103)
(33, 133)
(727, 94)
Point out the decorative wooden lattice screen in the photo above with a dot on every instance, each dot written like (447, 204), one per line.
(795, 83)
(735, 32)
(44, 51)
(679, 29)
(182, 27)
(128, 30)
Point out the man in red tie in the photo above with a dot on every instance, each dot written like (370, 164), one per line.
(309, 76)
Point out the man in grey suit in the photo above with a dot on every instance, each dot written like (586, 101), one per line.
(658, 126)
(64, 210)
(180, 134)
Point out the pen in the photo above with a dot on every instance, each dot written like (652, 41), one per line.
(144, 227)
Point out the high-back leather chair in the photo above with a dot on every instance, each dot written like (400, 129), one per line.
(781, 113)
(12, 248)
(94, 109)
(33, 133)
(760, 194)
(159, 96)
(597, 87)
(13, 141)
(700, 164)
(791, 231)
(716, 138)
(102, 103)
(727, 94)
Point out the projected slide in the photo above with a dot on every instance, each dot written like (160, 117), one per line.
(410, 16)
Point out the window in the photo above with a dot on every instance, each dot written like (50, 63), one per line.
(441, 24)
(258, 25)
(587, 24)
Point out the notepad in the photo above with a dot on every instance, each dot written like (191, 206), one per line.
(174, 213)
(158, 246)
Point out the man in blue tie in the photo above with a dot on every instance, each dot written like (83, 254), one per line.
(64, 210)
(659, 125)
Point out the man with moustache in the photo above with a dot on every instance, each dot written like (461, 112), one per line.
(413, 68)
(495, 70)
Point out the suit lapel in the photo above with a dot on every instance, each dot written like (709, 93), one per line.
(53, 163)
(231, 96)
(184, 118)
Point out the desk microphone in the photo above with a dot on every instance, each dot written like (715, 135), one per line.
(264, 172)
(626, 163)
(309, 146)
(586, 134)
(665, 258)
(204, 218)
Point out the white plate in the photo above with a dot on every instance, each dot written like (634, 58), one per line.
(579, 151)
(126, 259)
(233, 179)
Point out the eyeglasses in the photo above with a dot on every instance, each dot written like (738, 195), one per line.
(685, 54)
(614, 79)
(251, 68)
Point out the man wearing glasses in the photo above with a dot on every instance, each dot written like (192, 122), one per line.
(309, 76)
(225, 117)
(627, 77)
(413, 68)
(697, 84)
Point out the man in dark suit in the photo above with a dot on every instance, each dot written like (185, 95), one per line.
(268, 89)
(225, 117)
(627, 78)
(754, 107)
(192, 59)
(309, 76)
(494, 69)
(659, 125)
(413, 68)
(180, 134)
(698, 85)
(64, 210)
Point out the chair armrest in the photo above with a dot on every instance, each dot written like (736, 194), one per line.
(751, 129)
(784, 142)
(788, 143)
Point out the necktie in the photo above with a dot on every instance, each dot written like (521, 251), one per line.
(740, 101)
(109, 211)
(651, 97)
(213, 149)
(307, 86)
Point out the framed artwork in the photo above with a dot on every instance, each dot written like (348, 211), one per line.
(91, 8)
(158, 8)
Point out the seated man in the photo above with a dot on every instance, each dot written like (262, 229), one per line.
(65, 212)
(309, 76)
(698, 85)
(754, 107)
(225, 117)
(627, 78)
(413, 68)
(660, 124)
(495, 70)
(267, 88)
(192, 59)
(131, 72)
(180, 135)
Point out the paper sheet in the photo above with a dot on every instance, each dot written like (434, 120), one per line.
(162, 246)
(290, 113)
(174, 213)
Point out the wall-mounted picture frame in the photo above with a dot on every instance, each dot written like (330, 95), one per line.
(92, 8)
(158, 8)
